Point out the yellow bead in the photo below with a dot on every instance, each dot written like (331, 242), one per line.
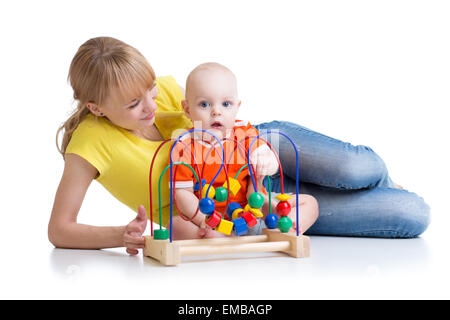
(211, 194)
(225, 227)
(236, 213)
(283, 197)
(235, 186)
(256, 212)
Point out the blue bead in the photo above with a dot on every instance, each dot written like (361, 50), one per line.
(231, 207)
(240, 226)
(271, 221)
(206, 205)
(197, 185)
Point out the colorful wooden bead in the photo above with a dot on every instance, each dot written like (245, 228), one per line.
(256, 200)
(197, 185)
(256, 212)
(240, 226)
(206, 205)
(237, 213)
(161, 234)
(211, 193)
(225, 227)
(271, 221)
(221, 194)
(231, 207)
(234, 186)
(283, 208)
(284, 224)
(214, 219)
(283, 197)
(250, 219)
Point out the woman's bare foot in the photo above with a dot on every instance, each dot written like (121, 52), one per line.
(397, 186)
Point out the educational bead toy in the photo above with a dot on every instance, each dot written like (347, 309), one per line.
(283, 208)
(221, 194)
(271, 221)
(250, 219)
(161, 234)
(240, 226)
(283, 197)
(160, 245)
(225, 227)
(213, 220)
(231, 207)
(237, 213)
(256, 212)
(170, 253)
(211, 193)
(234, 186)
(256, 200)
(284, 224)
(206, 205)
(197, 185)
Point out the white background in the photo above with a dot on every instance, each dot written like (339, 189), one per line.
(368, 72)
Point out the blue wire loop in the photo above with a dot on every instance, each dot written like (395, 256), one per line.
(266, 132)
(171, 173)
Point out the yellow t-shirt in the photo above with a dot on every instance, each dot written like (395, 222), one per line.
(123, 159)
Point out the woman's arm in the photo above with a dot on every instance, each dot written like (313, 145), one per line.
(63, 229)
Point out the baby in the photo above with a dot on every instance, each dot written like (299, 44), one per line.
(211, 102)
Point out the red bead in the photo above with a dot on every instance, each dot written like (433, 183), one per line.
(283, 208)
(250, 219)
(214, 219)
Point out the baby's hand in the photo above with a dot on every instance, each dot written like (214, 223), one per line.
(132, 238)
(205, 232)
(264, 161)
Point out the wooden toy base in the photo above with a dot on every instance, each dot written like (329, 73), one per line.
(170, 253)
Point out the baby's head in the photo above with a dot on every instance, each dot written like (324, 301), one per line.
(211, 98)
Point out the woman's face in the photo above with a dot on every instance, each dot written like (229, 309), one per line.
(136, 115)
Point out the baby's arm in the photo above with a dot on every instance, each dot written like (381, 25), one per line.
(187, 203)
(196, 228)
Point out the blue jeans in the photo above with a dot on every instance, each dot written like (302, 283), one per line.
(351, 183)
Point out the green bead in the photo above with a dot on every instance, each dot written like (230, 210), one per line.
(161, 234)
(256, 200)
(221, 194)
(284, 224)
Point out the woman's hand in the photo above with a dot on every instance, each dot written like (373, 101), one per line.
(132, 238)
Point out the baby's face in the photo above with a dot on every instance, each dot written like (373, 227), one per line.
(211, 99)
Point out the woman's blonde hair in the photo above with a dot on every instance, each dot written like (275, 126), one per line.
(104, 70)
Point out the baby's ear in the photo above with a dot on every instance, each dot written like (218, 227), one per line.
(239, 103)
(185, 106)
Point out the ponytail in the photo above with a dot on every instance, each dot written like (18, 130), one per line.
(69, 127)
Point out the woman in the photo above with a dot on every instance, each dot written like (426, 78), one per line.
(124, 112)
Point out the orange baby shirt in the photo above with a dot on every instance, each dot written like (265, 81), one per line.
(207, 157)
